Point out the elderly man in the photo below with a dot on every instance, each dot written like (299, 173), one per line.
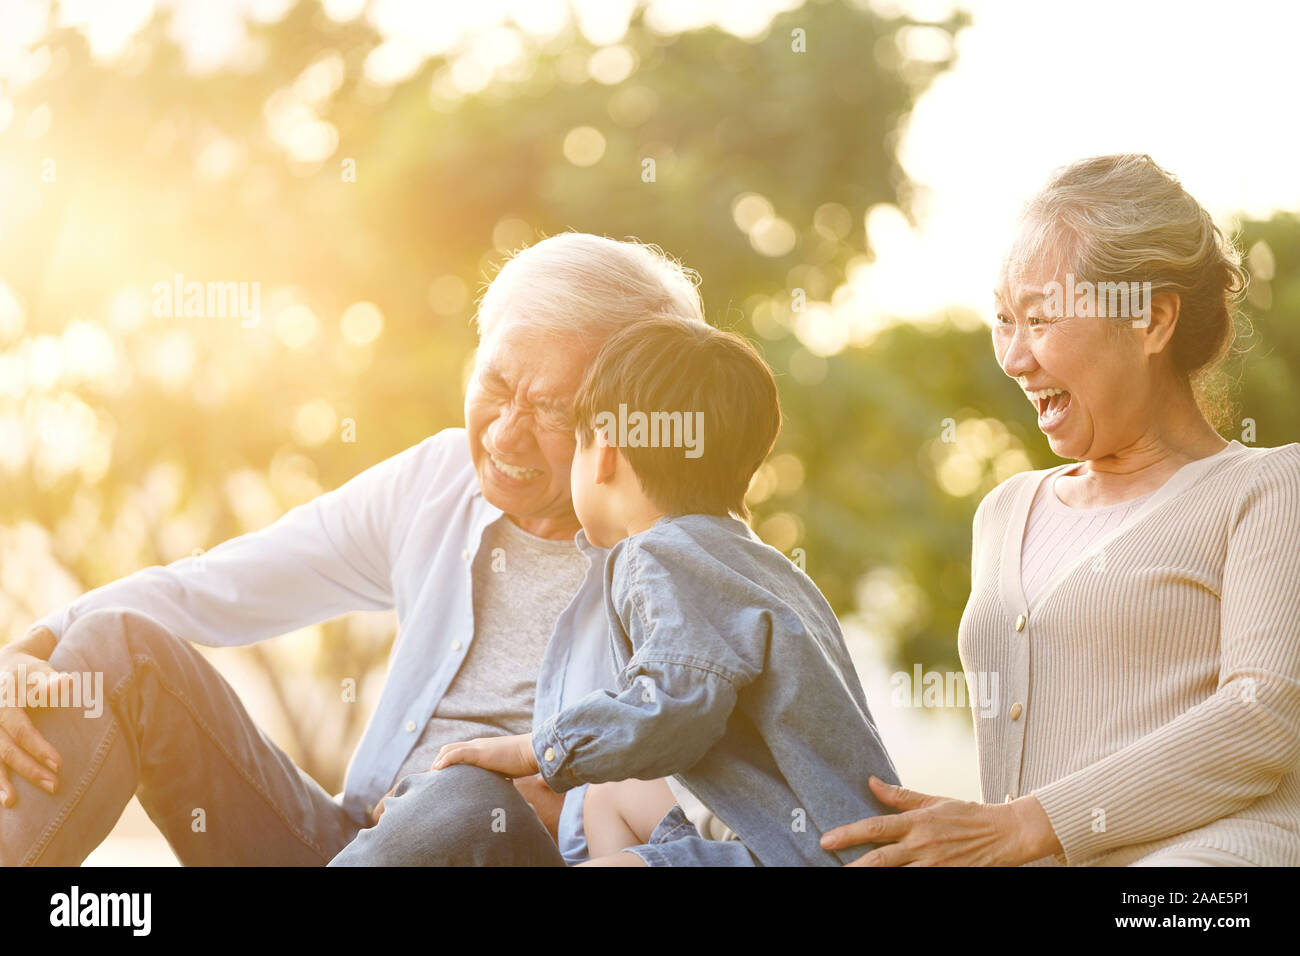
(469, 535)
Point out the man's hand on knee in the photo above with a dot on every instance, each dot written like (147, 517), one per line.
(26, 677)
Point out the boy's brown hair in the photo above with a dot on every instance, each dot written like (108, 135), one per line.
(667, 365)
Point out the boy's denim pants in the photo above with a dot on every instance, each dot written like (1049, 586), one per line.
(173, 732)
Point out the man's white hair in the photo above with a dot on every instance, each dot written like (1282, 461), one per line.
(587, 287)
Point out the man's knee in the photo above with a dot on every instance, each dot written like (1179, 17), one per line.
(460, 816)
(111, 639)
(458, 792)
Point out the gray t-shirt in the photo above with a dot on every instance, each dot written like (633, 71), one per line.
(521, 584)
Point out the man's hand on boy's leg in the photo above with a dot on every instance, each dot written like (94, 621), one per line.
(512, 756)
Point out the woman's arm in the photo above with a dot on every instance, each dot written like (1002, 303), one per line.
(1236, 746)
(1210, 761)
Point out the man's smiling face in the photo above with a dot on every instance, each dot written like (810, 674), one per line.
(518, 413)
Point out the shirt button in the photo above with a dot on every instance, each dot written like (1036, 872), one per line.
(1020, 623)
(455, 645)
(1007, 798)
(1015, 711)
(550, 754)
(464, 555)
(410, 726)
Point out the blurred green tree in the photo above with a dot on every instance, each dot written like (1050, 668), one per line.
(292, 170)
(295, 172)
(1262, 379)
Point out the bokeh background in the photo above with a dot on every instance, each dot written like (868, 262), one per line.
(842, 174)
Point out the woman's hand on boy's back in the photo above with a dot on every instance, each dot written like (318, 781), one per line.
(512, 755)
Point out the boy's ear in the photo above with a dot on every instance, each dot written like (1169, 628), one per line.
(606, 458)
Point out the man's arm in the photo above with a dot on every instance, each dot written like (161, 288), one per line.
(322, 559)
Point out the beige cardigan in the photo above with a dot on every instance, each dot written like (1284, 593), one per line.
(1150, 696)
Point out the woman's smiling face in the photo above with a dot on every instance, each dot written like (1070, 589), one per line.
(1084, 374)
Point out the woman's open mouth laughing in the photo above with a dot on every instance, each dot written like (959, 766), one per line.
(1052, 405)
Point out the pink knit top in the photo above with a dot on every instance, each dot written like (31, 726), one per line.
(1057, 534)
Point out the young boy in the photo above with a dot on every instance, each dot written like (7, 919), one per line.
(735, 683)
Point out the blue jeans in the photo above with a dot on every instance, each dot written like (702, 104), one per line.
(173, 732)
(676, 842)
(460, 816)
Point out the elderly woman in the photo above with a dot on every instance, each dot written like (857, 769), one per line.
(469, 535)
(1141, 607)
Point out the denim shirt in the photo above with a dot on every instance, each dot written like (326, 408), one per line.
(402, 534)
(734, 676)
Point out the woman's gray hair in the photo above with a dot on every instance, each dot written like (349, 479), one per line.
(585, 286)
(1122, 218)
